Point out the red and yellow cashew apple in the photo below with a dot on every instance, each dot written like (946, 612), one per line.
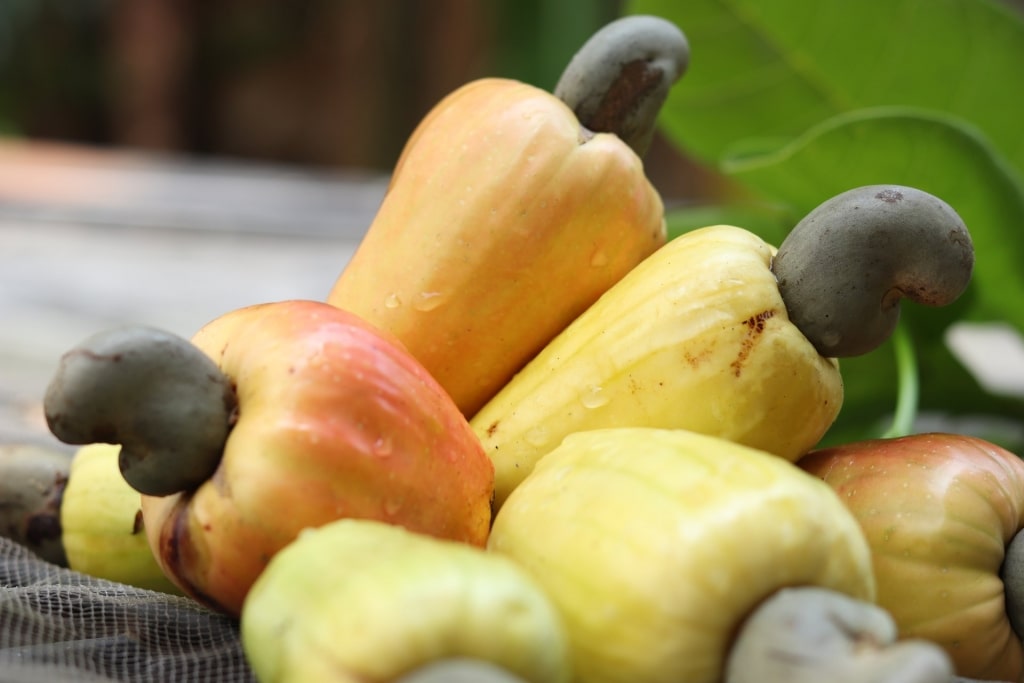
(323, 417)
(939, 511)
(507, 215)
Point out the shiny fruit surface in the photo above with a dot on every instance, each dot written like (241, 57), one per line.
(335, 419)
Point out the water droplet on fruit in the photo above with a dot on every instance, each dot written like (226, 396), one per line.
(428, 301)
(599, 259)
(392, 301)
(593, 397)
(383, 446)
(537, 437)
(392, 506)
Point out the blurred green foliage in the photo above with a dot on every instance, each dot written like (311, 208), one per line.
(52, 70)
(58, 70)
(537, 38)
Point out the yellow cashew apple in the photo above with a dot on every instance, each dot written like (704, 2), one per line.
(656, 544)
(504, 220)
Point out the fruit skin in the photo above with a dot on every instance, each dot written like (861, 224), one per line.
(362, 600)
(938, 511)
(696, 337)
(335, 420)
(503, 221)
(101, 518)
(655, 544)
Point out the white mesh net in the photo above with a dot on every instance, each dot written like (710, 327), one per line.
(58, 626)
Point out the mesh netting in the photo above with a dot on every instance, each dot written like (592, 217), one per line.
(59, 626)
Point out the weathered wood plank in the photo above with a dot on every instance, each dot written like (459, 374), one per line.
(90, 240)
(84, 185)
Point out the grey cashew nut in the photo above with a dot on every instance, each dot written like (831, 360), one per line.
(809, 635)
(619, 79)
(162, 399)
(844, 268)
(1012, 574)
(460, 670)
(32, 482)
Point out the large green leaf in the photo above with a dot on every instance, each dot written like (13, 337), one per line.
(936, 153)
(764, 71)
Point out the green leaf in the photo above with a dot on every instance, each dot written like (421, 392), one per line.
(929, 151)
(764, 72)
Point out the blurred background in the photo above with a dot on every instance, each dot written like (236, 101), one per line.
(318, 83)
(165, 161)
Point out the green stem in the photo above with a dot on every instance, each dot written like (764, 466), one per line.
(908, 385)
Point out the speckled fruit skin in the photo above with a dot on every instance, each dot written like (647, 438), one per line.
(938, 511)
(335, 420)
(503, 221)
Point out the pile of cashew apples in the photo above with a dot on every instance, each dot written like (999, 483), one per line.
(526, 437)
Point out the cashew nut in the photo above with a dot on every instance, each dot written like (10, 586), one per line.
(460, 671)
(844, 268)
(1012, 573)
(162, 399)
(620, 78)
(808, 635)
(32, 482)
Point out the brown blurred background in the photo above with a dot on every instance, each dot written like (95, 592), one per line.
(318, 83)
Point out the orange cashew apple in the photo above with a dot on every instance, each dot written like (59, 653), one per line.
(507, 215)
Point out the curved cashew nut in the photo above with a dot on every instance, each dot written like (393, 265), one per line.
(620, 78)
(460, 671)
(844, 268)
(1012, 573)
(32, 483)
(162, 399)
(808, 635)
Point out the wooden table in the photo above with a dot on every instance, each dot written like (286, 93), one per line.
(91, 239)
